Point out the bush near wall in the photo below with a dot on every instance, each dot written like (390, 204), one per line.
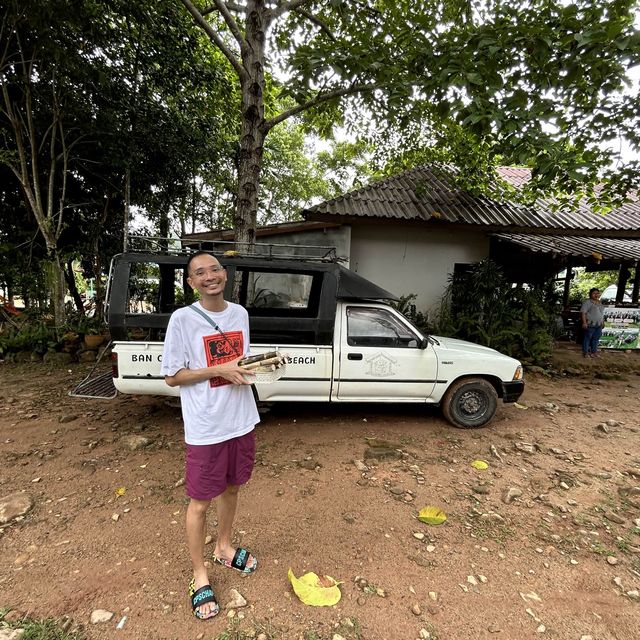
(483, 307)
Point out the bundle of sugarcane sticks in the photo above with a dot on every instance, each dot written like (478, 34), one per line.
(263, 363)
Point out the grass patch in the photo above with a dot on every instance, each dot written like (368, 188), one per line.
(39, 629)
(567, 542)
(235, 632)
(490, 529)
(348, 628)
(625, 544)
(583, 520)
(598, 548)
(431, 631)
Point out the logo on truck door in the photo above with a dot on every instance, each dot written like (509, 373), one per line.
(381, 365)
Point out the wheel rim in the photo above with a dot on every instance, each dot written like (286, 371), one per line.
(473, 404)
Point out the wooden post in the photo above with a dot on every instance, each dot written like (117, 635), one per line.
(636, 284)
(623, 276)
(567, 284)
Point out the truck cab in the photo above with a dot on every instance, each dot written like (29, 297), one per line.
(343, 340)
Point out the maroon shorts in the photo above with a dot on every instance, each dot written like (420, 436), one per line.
(211, 468)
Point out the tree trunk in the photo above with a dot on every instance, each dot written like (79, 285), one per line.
(97, 261)
(163, 227)
(58, 289)
(253, 131)
(127, 210)
(73, 290)
(99, 288)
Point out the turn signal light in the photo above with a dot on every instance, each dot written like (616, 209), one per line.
(114, 364)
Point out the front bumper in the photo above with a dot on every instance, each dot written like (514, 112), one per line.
(511, 391)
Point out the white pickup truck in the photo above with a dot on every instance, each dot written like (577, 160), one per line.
(343, 342)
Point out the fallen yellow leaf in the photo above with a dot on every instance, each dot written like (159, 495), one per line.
(432, 515)
(314, 590)
(481, 465)
(120, 491)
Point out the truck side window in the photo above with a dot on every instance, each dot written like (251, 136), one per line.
(368, 327)
(277, 290)
(144, 283)
(156, 288)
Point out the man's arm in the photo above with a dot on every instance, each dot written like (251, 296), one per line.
(229, 371)
(583, 314)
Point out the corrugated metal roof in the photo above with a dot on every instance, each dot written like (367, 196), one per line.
(426, 194)
(608, 248)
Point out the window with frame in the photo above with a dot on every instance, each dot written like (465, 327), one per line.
(288, 293)
(156, 288)
(370, 327)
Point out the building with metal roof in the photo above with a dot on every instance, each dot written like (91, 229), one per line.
(410, 232)
(429, 195)
(531, 242)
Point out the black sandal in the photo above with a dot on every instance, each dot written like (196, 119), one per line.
(239, 562)
(201, 596)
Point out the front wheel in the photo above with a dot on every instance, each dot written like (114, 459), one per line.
(470, 403)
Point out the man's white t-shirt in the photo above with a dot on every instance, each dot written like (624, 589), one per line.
(213, 410)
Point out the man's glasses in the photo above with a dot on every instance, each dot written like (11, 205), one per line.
(203, 272)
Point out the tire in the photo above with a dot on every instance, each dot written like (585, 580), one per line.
(470, 403)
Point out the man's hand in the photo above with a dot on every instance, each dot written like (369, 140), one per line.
(232, 372)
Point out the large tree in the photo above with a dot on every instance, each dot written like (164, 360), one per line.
(295, 174)
(538, 82)
(103, 103)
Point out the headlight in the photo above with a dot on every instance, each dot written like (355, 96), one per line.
(519, 374)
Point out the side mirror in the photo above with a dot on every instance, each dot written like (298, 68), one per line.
(424, 343)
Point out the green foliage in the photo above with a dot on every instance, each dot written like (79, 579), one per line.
(468, 96)
(583, 281)
(294, 175)
(31, 335)
(481, 306)
(89, 326)
(235, 631)
(544, 84)
(33, 332)
(42, 630)
(109, 89)
(406, 305)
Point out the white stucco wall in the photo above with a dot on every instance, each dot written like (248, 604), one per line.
(407, 259)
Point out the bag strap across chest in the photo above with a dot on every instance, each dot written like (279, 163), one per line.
(214, 325)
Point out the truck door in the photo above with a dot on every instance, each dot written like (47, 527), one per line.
(381, 357)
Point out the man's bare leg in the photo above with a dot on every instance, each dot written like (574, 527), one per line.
(196, 530)
(226, 504)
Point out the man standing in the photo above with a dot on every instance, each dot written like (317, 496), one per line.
(592, 314)
(203, 344)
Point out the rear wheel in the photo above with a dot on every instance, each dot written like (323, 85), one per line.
(470, 403)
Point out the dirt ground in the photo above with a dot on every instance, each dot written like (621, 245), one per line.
(543, 543)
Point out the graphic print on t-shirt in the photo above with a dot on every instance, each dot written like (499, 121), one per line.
(220, 349)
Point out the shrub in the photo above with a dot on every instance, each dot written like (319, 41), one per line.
(407, 307)
(480, 305)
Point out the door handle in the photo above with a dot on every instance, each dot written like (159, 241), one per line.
(354, 356)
